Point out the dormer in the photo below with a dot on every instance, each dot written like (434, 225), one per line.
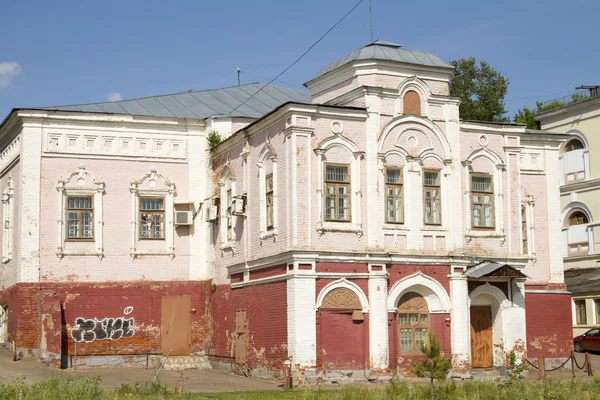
(381, 66)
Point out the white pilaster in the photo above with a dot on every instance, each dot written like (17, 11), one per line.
(378, 313)
(29, 217)
(556, 273)
(302, 322)
(460, 328)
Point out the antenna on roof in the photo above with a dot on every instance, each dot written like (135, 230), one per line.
(238, 70)
(594, 89)
(371, 18)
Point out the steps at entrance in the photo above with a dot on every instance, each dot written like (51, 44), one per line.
(487, 374)
(180, 363)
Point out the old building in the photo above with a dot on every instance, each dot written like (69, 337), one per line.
(335, 229)
(579, 195)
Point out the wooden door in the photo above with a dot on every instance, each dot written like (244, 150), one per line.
(481, 337)
(241, 350)
(176, 326)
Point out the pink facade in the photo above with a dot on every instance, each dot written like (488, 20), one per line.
(337, 233)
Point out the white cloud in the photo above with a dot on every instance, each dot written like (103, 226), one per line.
(8, 70)
(114, 96)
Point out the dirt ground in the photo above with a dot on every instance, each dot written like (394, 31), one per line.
(194, 381)
(32, 370)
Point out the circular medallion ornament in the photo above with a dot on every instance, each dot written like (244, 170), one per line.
(336, 127)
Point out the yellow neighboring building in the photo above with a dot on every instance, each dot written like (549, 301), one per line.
(580, 204)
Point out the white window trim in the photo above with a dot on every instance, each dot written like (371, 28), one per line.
(75, 185)
(498, 231)
(262, 175)
(529, 222)
(8, 229)
(148, 187)
(355, 224)
(225, 242)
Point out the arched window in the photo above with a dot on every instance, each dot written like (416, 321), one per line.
(574, 144)
(412, 103)
(413, 322)
(578, 218)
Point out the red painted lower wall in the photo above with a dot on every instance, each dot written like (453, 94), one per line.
(43, 316)
(266, 307)
(549, 324)
(342, 344)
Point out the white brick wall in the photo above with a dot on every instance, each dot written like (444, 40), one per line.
(378, 314)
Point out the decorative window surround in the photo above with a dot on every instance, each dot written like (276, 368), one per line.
(7, 212)
(267, 155)
(497, 183)
(227, 221)
(80, 183)
(355, 225)
(529, 223)
(153, 185)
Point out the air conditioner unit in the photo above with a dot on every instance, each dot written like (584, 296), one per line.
(184, 218)
(212, 213)
(238, 204)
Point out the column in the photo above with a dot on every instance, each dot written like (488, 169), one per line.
(460, 328)
(378, 317)
(301, 317)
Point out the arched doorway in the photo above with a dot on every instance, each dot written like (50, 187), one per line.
(413, 323)
(343, 333)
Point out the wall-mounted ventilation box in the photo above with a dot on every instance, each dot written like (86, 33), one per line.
(184, 218)
(212, 213)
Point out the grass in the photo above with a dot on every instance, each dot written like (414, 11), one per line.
(91, 388)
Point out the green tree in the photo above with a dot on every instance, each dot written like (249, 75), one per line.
(526, 115)
(436, 365)
(213, 139)
(481, 90)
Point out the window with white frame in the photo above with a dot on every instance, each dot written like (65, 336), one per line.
(578, 239)
(574, 161)
(580, 312)
(432, 204)
(7, 208)
(394, 196)
(80, 217)
(152, 218)
(269, 211)
(524, 233)
(229, 216)
(337, 193)
(482, 201)
(153, 212)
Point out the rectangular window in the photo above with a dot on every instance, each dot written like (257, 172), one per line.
(229, 217)
(524, 229)
(152, 218)
(337, 193)
(482, 201)
(432, 207)
(394, 206)
(80, 217)
(269, 200)
(580, 312)
(597, 304)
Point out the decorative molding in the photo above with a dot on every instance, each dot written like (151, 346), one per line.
(345, 284)
(433, 292)
(130, 144)
(10, 153)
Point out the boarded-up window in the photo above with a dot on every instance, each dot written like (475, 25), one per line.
(412, 103)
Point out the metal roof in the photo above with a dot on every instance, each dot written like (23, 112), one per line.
(201, 103)
(486, 268)
(584, 280)
(382, 50)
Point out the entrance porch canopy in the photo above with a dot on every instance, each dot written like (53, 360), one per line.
(494, 269)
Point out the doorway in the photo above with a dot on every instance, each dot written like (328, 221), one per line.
(481, 337)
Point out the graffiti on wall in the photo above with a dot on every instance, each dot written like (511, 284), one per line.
(90, 330)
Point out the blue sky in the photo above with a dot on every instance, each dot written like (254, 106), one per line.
(72, 52)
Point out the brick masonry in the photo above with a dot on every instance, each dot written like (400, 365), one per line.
(547, 332)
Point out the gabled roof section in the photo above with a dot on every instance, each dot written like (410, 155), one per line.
(383, 50)
(201, 103)
(495, 269)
